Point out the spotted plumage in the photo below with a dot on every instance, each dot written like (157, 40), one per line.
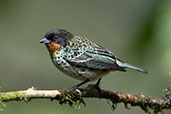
(80, 58)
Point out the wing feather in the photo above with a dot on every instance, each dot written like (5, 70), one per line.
(96, 57)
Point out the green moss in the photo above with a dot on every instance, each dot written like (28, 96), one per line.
(114, 106)
(112, 103)
(10, 96)
(70, 97)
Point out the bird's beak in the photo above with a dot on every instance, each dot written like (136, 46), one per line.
(45, 41)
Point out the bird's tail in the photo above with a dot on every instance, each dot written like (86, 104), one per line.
(126, 65)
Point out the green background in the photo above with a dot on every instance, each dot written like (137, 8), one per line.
(137, 31)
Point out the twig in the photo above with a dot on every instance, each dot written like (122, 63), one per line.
(72, 96)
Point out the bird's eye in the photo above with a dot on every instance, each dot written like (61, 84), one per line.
(56, 37)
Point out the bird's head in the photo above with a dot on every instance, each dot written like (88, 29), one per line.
(58, 36)
(55, 39)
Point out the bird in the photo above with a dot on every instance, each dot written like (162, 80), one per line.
(82, 59)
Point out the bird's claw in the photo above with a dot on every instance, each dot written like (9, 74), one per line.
(78, 91)
(95, 86)
(98, 89)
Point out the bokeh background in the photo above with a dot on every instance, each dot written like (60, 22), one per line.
(137, 31)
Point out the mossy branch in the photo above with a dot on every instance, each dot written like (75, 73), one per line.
(74, 97)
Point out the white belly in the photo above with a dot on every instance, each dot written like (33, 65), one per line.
(76, 72)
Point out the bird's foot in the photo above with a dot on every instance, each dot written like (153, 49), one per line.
(95, 87)
(78, 85)
(98, 89)
(77, 90)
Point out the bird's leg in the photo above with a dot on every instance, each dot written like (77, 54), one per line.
(97, 85)
(78, 85)
(98, 82)
(76, 88)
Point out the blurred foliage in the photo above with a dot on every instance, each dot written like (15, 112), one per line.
(138, 32)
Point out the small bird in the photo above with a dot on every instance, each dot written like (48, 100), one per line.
(80, 58)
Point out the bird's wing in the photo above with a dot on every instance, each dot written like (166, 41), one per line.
(93, 57)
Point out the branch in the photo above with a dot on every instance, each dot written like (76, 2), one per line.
(74, 97)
